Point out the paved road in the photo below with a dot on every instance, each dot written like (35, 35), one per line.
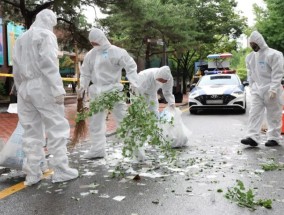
(214, 160)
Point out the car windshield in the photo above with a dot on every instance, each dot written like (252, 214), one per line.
(218, 80)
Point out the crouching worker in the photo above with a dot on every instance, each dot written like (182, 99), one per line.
(150, 81)
(41, 100)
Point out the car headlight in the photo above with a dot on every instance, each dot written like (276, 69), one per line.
(238, 93)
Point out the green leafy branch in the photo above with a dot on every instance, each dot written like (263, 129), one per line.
(118, 172)
(246, 198)
(105, 101)
(141, 126)
(271, 165)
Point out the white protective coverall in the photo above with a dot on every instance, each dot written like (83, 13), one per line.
(148, 86)
(103, 66)
(40, 100)
(265, 71)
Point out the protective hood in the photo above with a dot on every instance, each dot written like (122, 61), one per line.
(96, 35)
(257, 38)
(45, 19)
(164, 73)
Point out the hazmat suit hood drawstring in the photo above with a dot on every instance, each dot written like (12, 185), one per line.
(257, 38)
(164, 72)
(45, 19)
(96, 35)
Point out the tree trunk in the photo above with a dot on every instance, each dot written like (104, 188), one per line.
(147, 57)
(178, 75)
(28, 20)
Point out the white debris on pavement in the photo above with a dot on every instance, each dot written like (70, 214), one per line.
(89, 186)
(84, 193)
(89, 174)
(104, 196)
(119, 198)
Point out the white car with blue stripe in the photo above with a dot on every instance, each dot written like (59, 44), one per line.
(218, 91)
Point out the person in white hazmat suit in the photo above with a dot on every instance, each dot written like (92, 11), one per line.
(263, 128)
(103, 66)
(265, 71)
(41, 100)
(150, 81)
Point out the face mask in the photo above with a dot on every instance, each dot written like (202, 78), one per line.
(254, 47)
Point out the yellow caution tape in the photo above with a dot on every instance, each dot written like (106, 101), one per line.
(63, 78)
(6, 75)
(69, 79)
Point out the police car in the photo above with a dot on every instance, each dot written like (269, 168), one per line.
(218, 91)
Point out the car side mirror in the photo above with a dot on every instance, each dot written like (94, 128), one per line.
(245, 83)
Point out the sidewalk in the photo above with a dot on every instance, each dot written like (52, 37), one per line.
(8, 122)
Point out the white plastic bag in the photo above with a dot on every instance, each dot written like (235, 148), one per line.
(177, 133)
(12, 155)
(12, 108)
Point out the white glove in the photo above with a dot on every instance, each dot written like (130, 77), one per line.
(59, 99)
(134, 90)
(80, 91)
(272, 95)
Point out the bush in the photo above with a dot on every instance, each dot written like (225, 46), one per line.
(242, 73)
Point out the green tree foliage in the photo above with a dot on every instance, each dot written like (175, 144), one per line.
(182, 24)
(131, 25)
(191, 28)
(66, 62)
(72, 22)
(238, 62)
(270, 23)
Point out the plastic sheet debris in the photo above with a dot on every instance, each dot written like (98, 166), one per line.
(12, 154)
(177, 132)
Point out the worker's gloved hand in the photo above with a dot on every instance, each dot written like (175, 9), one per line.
(59, 99)
(136, 91)
(80, 91)
(272, 95)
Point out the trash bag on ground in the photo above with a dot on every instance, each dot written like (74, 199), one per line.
(177, 132)
(12, 155)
